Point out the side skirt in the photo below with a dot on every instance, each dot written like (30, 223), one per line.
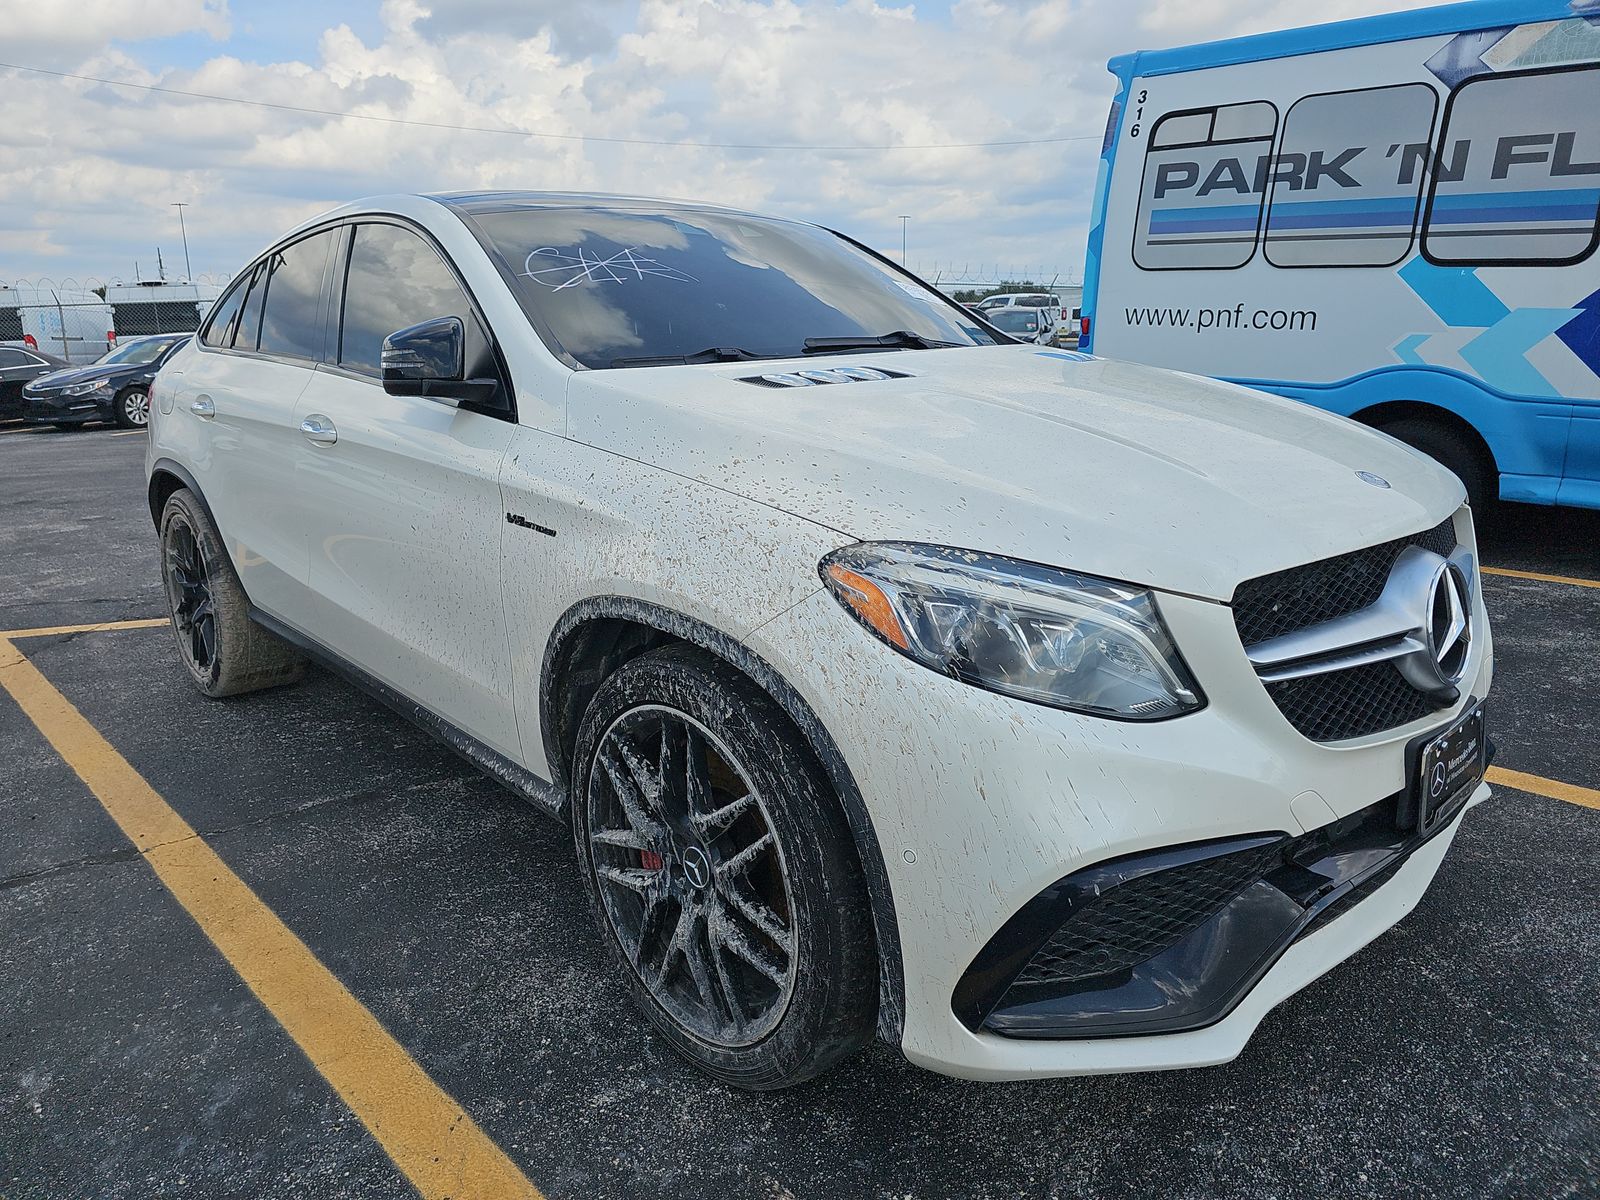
(544, 795)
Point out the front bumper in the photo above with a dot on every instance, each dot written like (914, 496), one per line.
(1170, 941)
(986, 1056)
(58, 409)
(980, 803)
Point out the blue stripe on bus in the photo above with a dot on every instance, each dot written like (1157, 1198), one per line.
(1572, 204)
(1217, 217)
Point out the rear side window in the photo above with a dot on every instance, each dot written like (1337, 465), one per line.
(396, 280)
(250, 317)
(14, 358)
(291, 322)
(1519, 173)
(220, 329)
(1205, 173)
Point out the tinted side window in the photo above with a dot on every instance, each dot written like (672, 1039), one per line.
(1518, 180)
(291, 323)
(395, 279)
(1336, 200)
(13, 358)
(250, 318)
(1205, 174)
(223, 312)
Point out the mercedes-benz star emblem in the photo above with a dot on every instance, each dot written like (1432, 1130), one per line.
(1377, 481)
(1436, 780)
(696, 867)
(1448, 632)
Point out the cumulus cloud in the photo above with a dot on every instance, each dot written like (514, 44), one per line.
(88, 172)
(575, 30)
(52, 27)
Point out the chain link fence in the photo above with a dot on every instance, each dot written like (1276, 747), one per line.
(78, 324)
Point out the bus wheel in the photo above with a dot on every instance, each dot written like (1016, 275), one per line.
(1455, 452)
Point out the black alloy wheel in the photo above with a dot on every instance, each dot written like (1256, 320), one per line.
(189, 590)
(722, 871)
(226, 652)
(691, 875)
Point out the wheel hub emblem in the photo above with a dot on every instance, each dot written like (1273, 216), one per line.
(696, 867)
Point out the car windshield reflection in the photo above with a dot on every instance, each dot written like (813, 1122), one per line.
(651, 286)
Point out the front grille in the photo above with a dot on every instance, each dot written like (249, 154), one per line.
(1359, 700)
(1299, 597)
(1135, 921)
(1350, 703)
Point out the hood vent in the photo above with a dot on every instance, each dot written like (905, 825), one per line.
(816, 377)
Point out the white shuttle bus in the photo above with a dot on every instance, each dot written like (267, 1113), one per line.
(1394, 218)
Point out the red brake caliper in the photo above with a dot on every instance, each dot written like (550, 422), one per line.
(650, 860)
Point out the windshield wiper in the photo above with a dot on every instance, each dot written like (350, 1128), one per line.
(710, 354)
(900, 339)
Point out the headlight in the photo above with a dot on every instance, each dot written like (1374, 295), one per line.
(83, 389)
(1040, 634)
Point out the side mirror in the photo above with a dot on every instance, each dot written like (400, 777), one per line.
(430, 360)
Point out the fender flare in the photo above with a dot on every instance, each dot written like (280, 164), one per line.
(891, 972)
(166, 466)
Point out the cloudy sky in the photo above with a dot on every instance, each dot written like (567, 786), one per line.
(88, 172)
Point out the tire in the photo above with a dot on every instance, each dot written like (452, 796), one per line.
(131, 408)
(1456, 453)
(787, 935)
(226, 653)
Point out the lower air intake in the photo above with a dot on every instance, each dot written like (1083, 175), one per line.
(1137, 920)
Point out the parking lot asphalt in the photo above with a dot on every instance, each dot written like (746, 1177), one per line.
(1459, 1054)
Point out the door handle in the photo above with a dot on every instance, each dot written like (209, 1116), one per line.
(319, 429)
(202, 406)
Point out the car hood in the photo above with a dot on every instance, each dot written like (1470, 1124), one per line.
(1128, 472)
(111, 371)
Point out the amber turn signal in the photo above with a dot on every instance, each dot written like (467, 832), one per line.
(867, 601)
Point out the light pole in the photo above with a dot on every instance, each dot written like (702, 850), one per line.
(903, 221)
(180, 205)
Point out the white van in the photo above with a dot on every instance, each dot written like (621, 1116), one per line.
(68, 323)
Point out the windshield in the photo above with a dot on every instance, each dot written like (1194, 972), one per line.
(1015, 320)
(618, 287)
(135, 352)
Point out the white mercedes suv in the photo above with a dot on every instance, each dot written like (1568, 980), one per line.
(1045, 714)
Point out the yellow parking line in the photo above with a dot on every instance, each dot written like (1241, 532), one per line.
(1540, 786)
(428, 1135)
(1510, 574)
(98, 627)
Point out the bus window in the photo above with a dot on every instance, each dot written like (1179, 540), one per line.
(1200, 204)
(1337, 200)
(1529, 191)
